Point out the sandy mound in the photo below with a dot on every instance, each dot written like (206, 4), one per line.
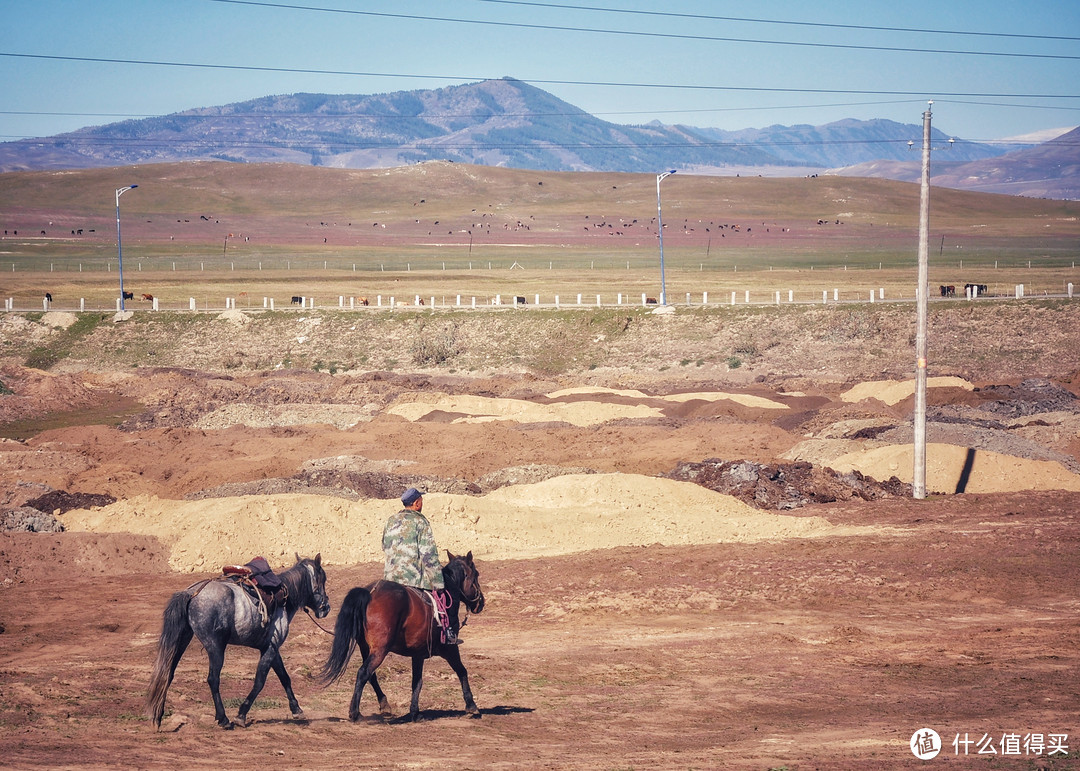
(747, 400)
(563, 515)
(340, 416)
(59, 319)
(989, 472)
(234, 316)
(895, 391)
(482, 409)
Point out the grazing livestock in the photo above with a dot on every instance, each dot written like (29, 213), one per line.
(650, 301)
(148, 297)
(297, 300)
(129, 296)
(975, 289)
(948, 291)
(362, 300)
(519, 300)
(48, 297)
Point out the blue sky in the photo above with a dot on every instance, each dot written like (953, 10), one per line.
(714, 64)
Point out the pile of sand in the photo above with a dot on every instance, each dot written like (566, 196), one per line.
(341, 416)
(481, 409)
(895, 391)
(563, 515)
(578, 412)
(952, 469)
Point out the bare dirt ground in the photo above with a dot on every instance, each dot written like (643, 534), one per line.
(675, 578)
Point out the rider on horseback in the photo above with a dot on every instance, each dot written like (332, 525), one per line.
(412, 558)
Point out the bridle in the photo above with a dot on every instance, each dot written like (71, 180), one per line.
(307, 610)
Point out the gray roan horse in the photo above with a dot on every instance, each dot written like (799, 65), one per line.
(220, 613)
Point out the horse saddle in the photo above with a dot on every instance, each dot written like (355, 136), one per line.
(260, 583)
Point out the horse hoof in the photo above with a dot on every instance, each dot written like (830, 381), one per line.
(228, 725)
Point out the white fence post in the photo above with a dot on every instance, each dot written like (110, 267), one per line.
(191, 303)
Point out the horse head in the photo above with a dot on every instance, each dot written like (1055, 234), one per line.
(316, 582)
(463, 579)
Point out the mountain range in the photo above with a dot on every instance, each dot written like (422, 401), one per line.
(506, 122)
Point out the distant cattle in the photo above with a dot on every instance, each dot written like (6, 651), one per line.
(948, 291)
(650, 301)
(519, 300)
(148, 297)
(419, 300)
(129, 296)
(975, 289)
(48, 297)
(362, 300)
(297, 300)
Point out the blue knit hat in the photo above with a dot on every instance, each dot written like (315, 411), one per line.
(410, 495)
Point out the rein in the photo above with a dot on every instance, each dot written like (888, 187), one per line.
(315, 621)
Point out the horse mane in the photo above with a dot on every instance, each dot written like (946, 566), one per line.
(293, 579)
(454, 572)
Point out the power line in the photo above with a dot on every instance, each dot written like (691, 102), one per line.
(823, 25)
(612, 84)
(637, 33)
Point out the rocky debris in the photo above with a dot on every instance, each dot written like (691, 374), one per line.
(781, 486)
(341, 483)
(26, 519)
(60, 501)
(528, 474)
(1030, 397)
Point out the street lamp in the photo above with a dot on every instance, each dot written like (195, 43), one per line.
(119, 248)
(660, 230)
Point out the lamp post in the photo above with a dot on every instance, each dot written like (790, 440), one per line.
(660, 230)
(119, 248)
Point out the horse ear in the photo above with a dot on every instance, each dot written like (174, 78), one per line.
(450, 556)
(297, 556)
(468, 557)
(318, 558)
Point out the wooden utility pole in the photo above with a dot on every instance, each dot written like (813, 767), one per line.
(918, 483)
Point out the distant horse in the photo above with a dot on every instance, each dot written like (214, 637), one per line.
(220, 613)
(386, 618)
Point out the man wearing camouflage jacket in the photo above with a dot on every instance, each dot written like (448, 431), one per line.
(412, 558)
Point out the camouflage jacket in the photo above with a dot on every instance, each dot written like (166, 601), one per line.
(411, 555)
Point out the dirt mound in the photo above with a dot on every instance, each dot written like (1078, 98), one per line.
(780, 486)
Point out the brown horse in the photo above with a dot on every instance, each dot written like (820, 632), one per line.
(386, 617)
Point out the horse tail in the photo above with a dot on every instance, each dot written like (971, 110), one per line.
(176, 633)
(348, 628)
